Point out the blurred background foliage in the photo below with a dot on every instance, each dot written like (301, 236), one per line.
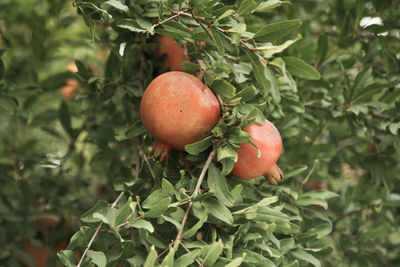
(59, 157)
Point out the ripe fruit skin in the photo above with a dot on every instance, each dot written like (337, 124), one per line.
(69, 90)
(175, 54)
(178, 109)
(269, 142)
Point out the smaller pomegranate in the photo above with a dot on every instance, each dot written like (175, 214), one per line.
(178, 109)
(269, 142)
(175, 53)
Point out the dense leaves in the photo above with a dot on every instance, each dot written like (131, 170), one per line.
(328, 81)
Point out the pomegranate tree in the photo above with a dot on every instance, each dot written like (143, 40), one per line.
(269, 142)
(178, 109)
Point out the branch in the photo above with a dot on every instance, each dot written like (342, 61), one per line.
(97, 231)
(188, 251)
(196, 191)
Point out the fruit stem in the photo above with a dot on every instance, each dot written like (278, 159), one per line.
(274, 175)
(161, 150)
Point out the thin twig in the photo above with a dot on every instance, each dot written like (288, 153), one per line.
(97, 231)
(196, 191)
(317, 135)
(143, 156)
(185, 161)
(168, 19)
(187, 250)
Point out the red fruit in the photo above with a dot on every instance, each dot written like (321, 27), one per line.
(175, 53)
(178, 109)
(269, 142)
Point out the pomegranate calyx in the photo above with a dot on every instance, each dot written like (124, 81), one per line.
(274, 175)
(161, 151)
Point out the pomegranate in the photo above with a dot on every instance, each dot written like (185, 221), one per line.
(269, 142)
(178, 109)
(175, 53)
(70, 89)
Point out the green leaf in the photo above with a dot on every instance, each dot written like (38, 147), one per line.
(301, 254)
(247, 93)
(276, 97)
(277, 30)
(224, 152)
(223, 88)
(97, 213)
(237, 136)
(236, 262)
(176, 29)
(360, 83)
(95, 7)
(215, 208)
(151, 258)
(67, 257)
(81, 238)
(190, 67)
(200, 146)
(129, 24)
(187, 258)
(239, 28)
(141, 224)
(213, 252)
(122, 183)
(246, 7)
(118, 5)
(301, 69)
(217, 182)
(134, 131)
(265, 77)
(269, 50)
(97, 257)
(167, 188)
(265, 6)
(218, 41)
(227, 166)
(9, 104)
(123, 213)
(153, 199)
(65, 119)
(158, 209)
(169, 259)
(253, 257)
(318, 231)
(294, 170)
(193, 230)
(322, 51)
(314, 168)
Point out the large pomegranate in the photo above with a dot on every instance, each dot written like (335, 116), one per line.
(175, 54)
(178, 109)
(269, 142)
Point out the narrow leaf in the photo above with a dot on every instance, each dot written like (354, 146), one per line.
(277, 30)
(301, 69)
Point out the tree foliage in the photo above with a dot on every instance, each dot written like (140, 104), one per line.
(79, 170)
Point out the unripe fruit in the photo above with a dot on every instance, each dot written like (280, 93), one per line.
(269, 142)
(175, 54)
(178, 109)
